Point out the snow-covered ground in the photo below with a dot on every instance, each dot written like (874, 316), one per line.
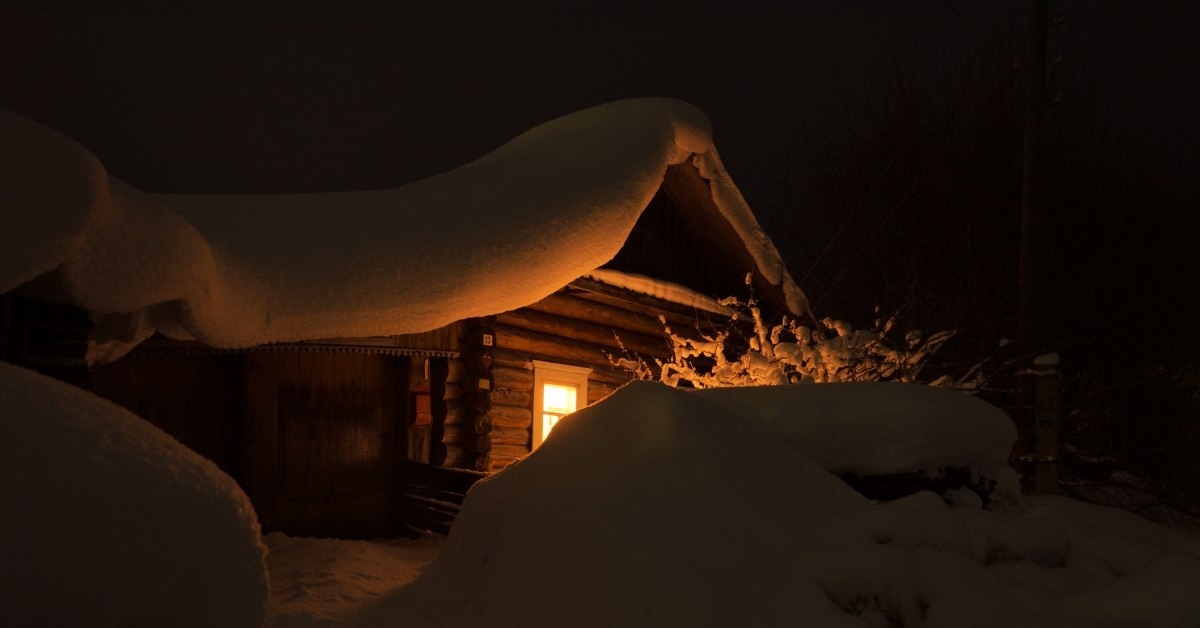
(655, 507)
(659, 507)
(330, 582)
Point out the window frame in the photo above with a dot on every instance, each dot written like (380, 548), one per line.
(557, 374)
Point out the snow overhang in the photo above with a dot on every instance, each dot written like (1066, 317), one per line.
(504, 231)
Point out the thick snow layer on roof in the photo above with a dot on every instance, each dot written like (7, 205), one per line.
(239, 270)
(108, 521)
(658, 507)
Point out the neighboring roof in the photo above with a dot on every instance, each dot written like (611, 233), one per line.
(548, 207)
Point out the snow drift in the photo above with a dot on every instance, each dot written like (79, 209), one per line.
(237, 270)
(108, 521)
(869, 428)
(659, 507)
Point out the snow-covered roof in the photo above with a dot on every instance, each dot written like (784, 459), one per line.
(499, 233)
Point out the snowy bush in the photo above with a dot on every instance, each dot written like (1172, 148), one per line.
(787, 352)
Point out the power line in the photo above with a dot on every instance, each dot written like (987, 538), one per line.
(1134, 29)
(862, 201)
(878, 228)
(874, 184)
(1133, 68)
(961, 16)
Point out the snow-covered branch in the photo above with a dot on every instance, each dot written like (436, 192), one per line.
(786, 352)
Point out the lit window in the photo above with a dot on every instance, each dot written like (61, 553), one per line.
(558, 390)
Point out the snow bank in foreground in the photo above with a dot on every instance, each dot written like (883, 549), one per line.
(873, 428)
(238, 270)
(108, 521)
(658, 507)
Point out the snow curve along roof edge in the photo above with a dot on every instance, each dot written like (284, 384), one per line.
(501, 232)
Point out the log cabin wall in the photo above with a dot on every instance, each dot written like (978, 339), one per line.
(462, 399)
(580, 325)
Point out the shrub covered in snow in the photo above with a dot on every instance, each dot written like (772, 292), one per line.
(108, 521)
(787, 352)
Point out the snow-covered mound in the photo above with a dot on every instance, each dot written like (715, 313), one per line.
(658, 507)
(108, 521)
(875, 428)
(237, 270)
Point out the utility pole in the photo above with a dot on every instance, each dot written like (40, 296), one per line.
(1036, 416)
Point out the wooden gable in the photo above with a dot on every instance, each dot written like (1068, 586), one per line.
(682, 237)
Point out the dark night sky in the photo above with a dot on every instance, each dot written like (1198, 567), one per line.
(190, 100)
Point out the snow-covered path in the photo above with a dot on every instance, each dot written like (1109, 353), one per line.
(318, 583)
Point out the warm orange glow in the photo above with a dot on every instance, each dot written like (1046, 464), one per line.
(558, 400)
(558, 390)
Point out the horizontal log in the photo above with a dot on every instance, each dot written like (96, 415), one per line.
(575, 330)
(456, 412)
(677, 315)
(616, 316)
(513, 378)
(522, 358)
(510, 451)
(512, 359)
(470, 422)
(465, 433)
(538, 344)
(507, 416)
(610, 375)
(514, 398)
(510, 436)
(452, 391)
(599, 390)
(474, 443)
(456, 456)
